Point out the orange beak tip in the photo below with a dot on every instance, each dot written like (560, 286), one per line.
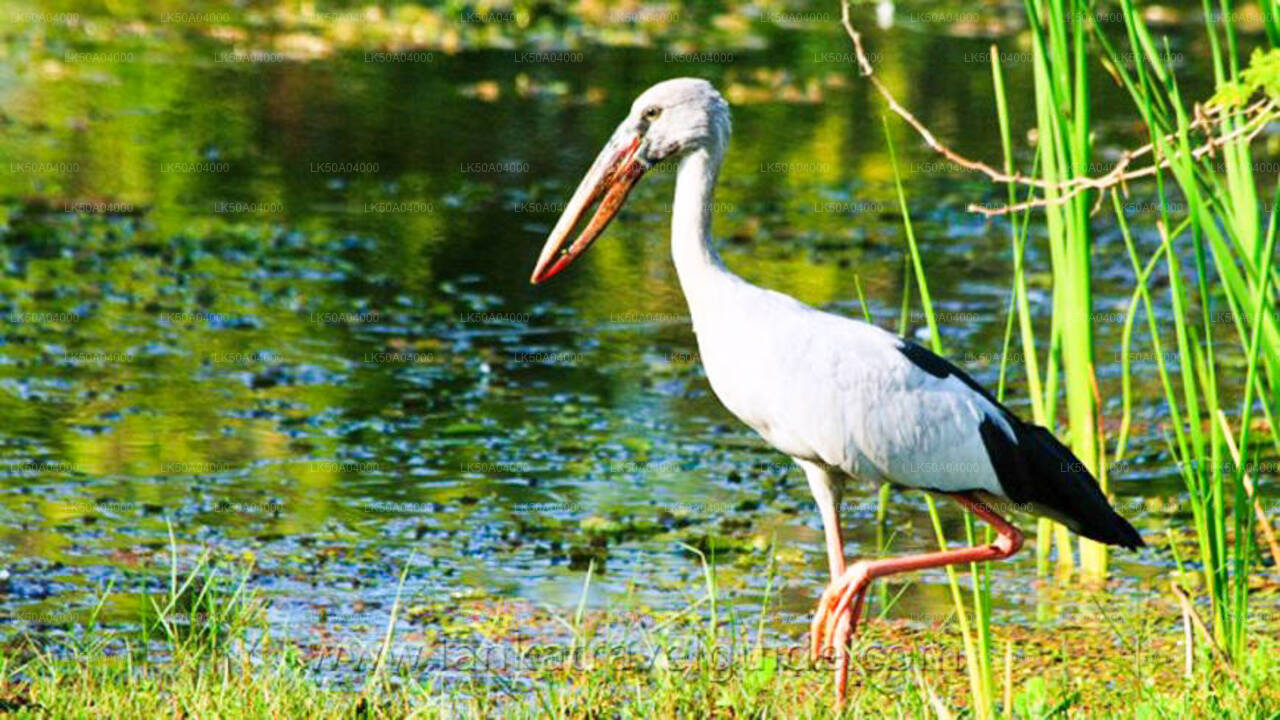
(609, 181)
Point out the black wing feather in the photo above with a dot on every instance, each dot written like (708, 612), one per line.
(1034, 468)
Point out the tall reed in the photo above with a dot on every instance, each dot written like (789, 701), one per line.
(976, 637)
(1059, 56)
(1232, 261)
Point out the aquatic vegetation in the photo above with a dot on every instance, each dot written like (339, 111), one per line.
(1222, 205)
(1223, 209)
(669, 665)
(270, 292)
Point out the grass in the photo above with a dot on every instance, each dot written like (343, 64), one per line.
(1221, 225)
(976, 638)
(1231, 254)
(203, 648)
(1233, 262)
(1062, 99)
(1121, 659)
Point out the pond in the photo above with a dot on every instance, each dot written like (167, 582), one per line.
(279, 307)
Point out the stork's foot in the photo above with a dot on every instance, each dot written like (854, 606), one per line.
(836, 620)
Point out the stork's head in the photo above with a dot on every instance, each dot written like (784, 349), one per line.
(669, 120)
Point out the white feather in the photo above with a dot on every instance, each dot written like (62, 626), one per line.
(819, 387)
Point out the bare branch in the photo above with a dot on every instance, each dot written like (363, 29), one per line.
(1118, 176)
(1056, 193)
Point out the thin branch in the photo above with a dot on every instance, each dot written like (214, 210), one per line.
(1117, 176)
(1189, 612)
(1205, 119)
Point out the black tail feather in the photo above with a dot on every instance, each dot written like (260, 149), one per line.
(1038, 470)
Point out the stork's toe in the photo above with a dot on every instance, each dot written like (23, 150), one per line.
(818, 628)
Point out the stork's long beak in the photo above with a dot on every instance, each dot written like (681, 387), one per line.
(611, 177)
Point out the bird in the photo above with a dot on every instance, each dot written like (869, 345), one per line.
(845, 399)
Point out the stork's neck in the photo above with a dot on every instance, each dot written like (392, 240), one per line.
(697, 262)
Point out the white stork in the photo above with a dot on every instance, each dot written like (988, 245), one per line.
(843, 398)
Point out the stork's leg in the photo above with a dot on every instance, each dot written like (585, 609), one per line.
(834, 623)
(826, 488)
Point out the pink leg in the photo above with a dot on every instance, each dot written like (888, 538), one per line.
(846, 626)
(826, 492)
(835, 548)
(841, 604)
(835, 558)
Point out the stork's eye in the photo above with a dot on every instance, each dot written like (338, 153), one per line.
(652, 113)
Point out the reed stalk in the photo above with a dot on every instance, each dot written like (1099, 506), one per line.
(1231, 260)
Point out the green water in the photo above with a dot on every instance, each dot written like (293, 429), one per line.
(283, 306)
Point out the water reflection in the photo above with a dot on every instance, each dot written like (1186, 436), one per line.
(283, 307)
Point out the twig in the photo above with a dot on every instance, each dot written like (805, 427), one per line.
(1114, 178)
(1189, 643)
(1205, 119)
(1189, 611)
(939, 707)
